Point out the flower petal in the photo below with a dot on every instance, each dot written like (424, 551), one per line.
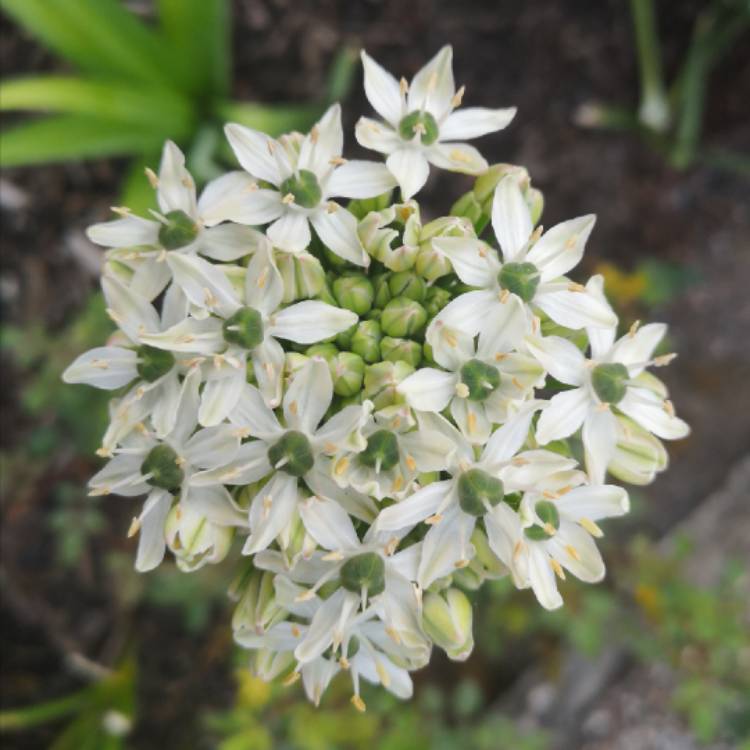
(189, 335)
(507, 440)
(599, 437)
(106, 367)
(252, 413)
(561, 358)
(176, 188)
(328, 524)
(290, 232)
(271, 511)
(561, 248)
(471, 420)
(511, 218)
(204, 283)
(576, 551)
(472, 122)
(152, 541)
(228, 242)
(541, 576)
(594, 502)
(600, 339)
(636, 349)
(468, 312)
(324, 142)
(377, 136)
(337, 229)
(563, 415)
(504, 328)
(651, 412)
(382, 91)
(249, 464)
(445, 544)
(360, 179)
(132, 312)
(414, 509)
(429, 389)
(308, 396)
(130, 231)
(353, 502)
(574, 309)
(258, 153)
(309, 321)
(220, 396)
(268, 366)
(474, 262)
(410, 168)
(433, 87)
(264, 288)
(457, 157)
(344, 429)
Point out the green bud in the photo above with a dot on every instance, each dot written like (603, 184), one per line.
(480, 378)
(153, 362)
(436, 299)
(479, 491)
(550, 519)
(302, 275)
(610, 382)
(348, 371)
(491, 565)
(354, 292)
(468, 206)
(292, 454)
(484, 187)
(427, 354)
(179, 231)
(194, 540)
(535, 200)
(381, 380)
(447, 619)
(327, 351)
(407, 284)
(401, 350)
(470, 577)
(382, 289)
(343, 340)
(256, 609)
(403, 317)
(366, 341)
(431, 264)
(365, 571)
(638, 456)
(381, 452)
(419, 123)
(521, 279)
(396, 225)
(244, 328)
(304, 187)
(163, 464)
(361, 207)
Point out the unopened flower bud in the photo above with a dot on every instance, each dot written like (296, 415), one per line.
(361, 207)
(256, 608)
(403, 350)
(382, 289)
(366, 341)
(343, 340)
(268, 664)
(285, 264)
(470, 577)
(407, 284)
(381, 381)
(484, 187)
(469, 207)
(327, 351)
(639, 456)
(435, 300)
(447, 620)
(491, 565)
(535, 200)
(354, 292)
(309, 276)
(382, 239)
(194, 540)
(403, 317)
(347, 370)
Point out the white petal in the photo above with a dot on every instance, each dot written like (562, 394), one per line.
(503, 531)
(600, 339)
(469, 311)
(216, 505)
(541, 576)
(189, 335)
(344, 429)
(511, 218)
(429, 389)
(414, 509)
(650, 411)
(308, 397)
(561, 358)
(268, 366)
(204, 283)
(542, 469)
(451, 348)
(574, 309)
(445, 544)
(360, 179)
(187, 410)
(225, 197)
(337, 229)
(576, 551)
(290, 232)
(561, 247)
(507, 440)
(354, 503)
(377, 136)
(397, 679)
(635, 350)
(176, 190)
(563, 415)
(471, 420)
(474, 262)
(325, 142)
(264, 287)
(309, 321)
(594, 502)
(410, 168)
(132, 312)
(473, 122)
(121, 476)
(271, 511)
(503, 329)
(431, 421)
(382, 90)
(151, 541)
(175, 305)
(328, 524)
(599, 437)
(457, 157)
(431, 451)
(106, 367)
(130, 231)
(257, 153)
(316, 677)
(164, 413)
(220, 396)
(323, 625)
(150, 277)
(252, 413)
(212, 447)
(228, 242)
(433, 88)
(249, 464)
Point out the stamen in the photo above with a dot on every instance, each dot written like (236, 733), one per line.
(359, 704)
(634, 328)
(134, 528)
(557, 568)
(462, 390)
(152, 178)
(591, 527)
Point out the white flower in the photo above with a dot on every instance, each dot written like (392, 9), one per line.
(420, 125)
(182, 225)
(245, 325)
(303, 183)
(553, 530)
(480, 383)
(530, 277)
(612, 381)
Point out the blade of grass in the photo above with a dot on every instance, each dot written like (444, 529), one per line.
(341, 74)
(41, 713)
(166, 111)
(274, 120)
(199, 33)
(73, 137)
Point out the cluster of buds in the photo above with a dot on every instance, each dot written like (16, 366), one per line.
(379, 412)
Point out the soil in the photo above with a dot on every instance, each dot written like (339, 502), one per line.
(547, 58)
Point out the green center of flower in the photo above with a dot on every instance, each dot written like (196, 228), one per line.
(162, 463)
(521, 279)
(180, 230)
(381, 453)
(292, 454)
(422, 123)
(365, 571)
(480, 378)
(550, 518)
(153, 363)
(244, 328)
(305, 188)
(478, 491)
(609, 381)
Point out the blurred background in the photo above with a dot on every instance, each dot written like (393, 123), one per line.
(637, 111)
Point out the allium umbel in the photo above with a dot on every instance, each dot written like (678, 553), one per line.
(375, 409)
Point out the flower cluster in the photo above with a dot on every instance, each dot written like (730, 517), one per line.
(382, 411)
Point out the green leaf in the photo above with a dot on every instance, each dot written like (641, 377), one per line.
(100, 36)
(199, 35)
(341, 74)
(41, 713)
(161, 109)
(273, 120)
(72, 137)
